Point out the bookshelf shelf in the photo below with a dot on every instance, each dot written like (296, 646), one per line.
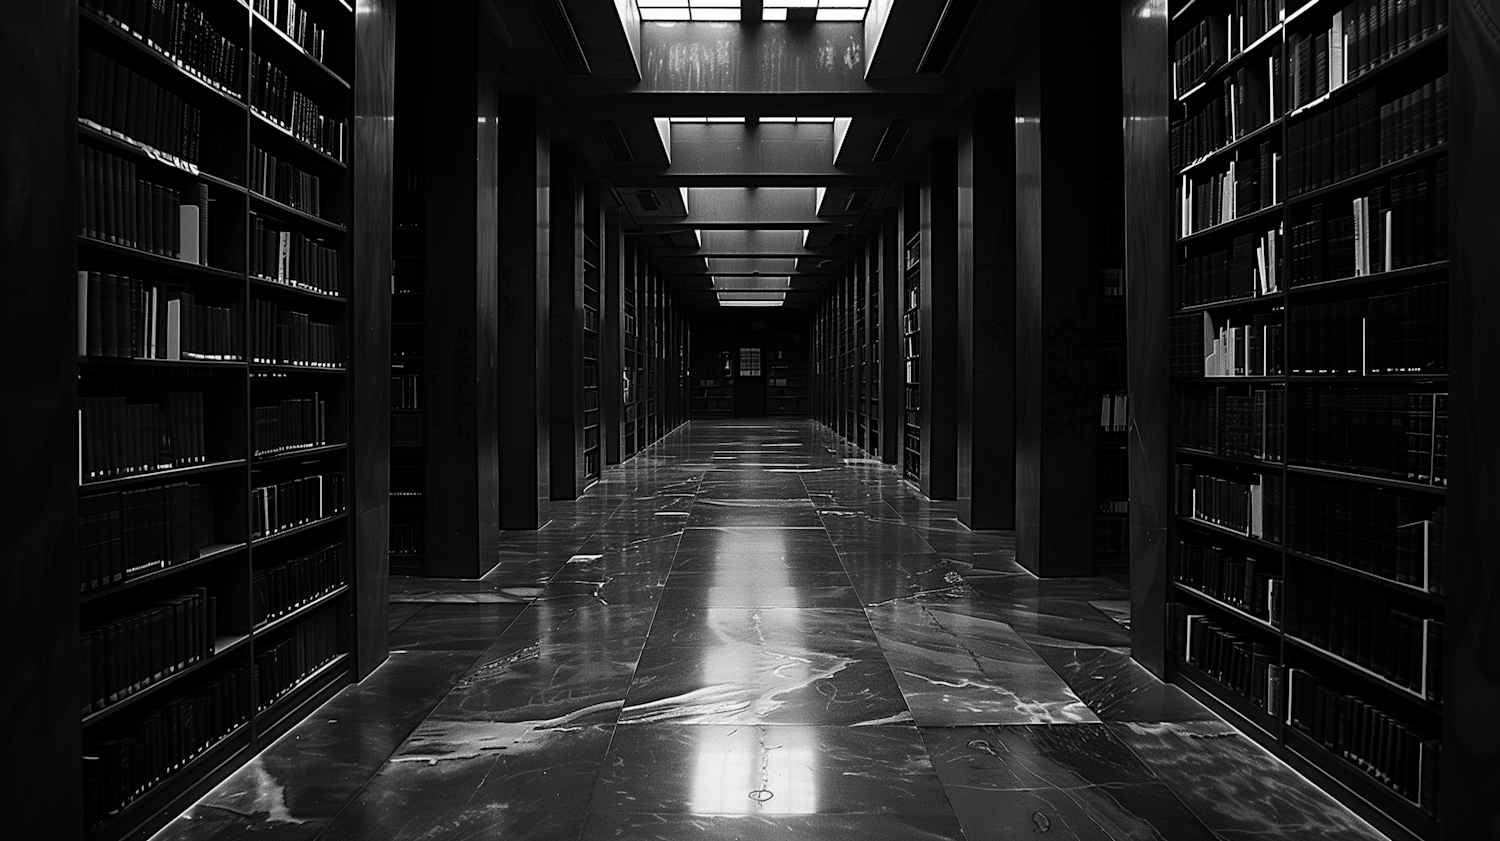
(292, 214)
(121, 37)
(1260, 464)
(224, 647)
(146, 261)
(313, 678)
(1375, 174)
(1299, 12)
(1239, 613)
(294, 58)
(1366, 479)
(1232, 63)
(299, 612)
(190, 471)
(1407, 589)
(1395, 275)
(294, 291)
(1359, 783)
(288, 532)
(1234, 303)
(138, 362)
(295, 454)
(269, 128)
(1222, 699)
(1273, 211)
(1416, 49)
(209, 555)
(1218, 529)
(1409, 695)
(141, 152)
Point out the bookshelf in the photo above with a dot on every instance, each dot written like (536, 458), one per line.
(911, 340)
(787, 380)
(870, 345)
(660, 382)
(408, 543)
(1112, 473)
(592, 305)
(1308, 350)
(215, 558)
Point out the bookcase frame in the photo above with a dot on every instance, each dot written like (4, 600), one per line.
(1393, 813)
(234, 388)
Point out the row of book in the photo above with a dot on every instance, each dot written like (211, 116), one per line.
(406, 391)
(126, 317)
(125, 654)
(1249, 667)
(292, 258)
(288, 337)
(1199, 52)
(1359, 135)
(121, 102)
(1360, 36)
(181, 31)
(407, 278)
(298, 25)
(281, 589)
(127, 534)
(284, 182)
(406, 340)
(1385, 230)
(273, 97)
(126, 437)
(283, 506)
(281, 665)
(1358, 622)
(297, 423)
(1241, 425)
(1247, 185)
(1252, 267)
(1402, 332)
(1114, 412)
(1254, 586)
(407, 538)
(124, 760)
(407, 479)
(1394, 434)
(1249, 505)
(1253, 19)
(1392, 536)
(406, 430)
(123, 209)
(1392, 751)
(1245, 350)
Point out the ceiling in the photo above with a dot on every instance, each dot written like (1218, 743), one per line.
(782, 201)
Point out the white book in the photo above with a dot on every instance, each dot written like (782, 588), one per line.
(1336, 71)
(174, 329)
(1360, 263)
(283, 254)
(151, 325)
(187, 229)
(1389, 235)
(1257, 508)
(83, 313)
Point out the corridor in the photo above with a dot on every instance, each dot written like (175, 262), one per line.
(750, 632)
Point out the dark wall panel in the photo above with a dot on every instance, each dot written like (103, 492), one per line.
(612, 337)
(986, 477)
(1471, 719)
(524, 358)
(940, 322)
(565, 309)
(1148, 233)
(369, 330)
(892, 404)
(38, 608)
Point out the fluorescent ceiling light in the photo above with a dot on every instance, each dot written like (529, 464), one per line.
(750, 303)
(821, 9)
(747, 284)
(713, 10)
(701, 120)
(752, 296)
(796, 119)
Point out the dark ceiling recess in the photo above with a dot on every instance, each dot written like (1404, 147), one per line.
(950, 28)
(559, 29)
(648, 200)
(855, 200)
(890, 141)
(614, 139)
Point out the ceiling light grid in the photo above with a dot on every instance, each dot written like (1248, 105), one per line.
(711, 10)
(815, 9)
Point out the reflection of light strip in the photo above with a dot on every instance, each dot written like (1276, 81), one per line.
(750, 303)
(751, 295)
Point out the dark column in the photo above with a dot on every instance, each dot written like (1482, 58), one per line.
(565, 386)
(887, 244)
(940, 322)
(39, 606)
(369, 327)
(1470, 775)
(1148, 234)
(523, 369)
(987, 313)
(1057, 406)
(461, 147)
(611, 336)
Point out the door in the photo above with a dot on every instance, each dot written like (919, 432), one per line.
(750, 382)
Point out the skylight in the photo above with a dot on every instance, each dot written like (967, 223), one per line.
(706, 119)
(721, 10)
(689, 9)
(796, 119)
(815, 9)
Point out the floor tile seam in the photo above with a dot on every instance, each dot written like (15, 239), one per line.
(365, 784)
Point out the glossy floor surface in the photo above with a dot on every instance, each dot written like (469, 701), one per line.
(750, 632)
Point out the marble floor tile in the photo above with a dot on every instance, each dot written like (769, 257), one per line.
(739, 769)
(787, 629)
(454, 626)
(743, 684)
(398, 613)
(1117, 688)
(1235, 787)
(743, 513)
(764, 594)
(854, 827)
(1073, 782)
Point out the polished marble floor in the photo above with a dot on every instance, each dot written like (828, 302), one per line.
(750, 631)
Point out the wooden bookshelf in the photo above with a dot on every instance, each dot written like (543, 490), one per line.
(1309, 360)
(214, 273)
(911, 340)
(408, 311)
(660, 383)
(1111, 466)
